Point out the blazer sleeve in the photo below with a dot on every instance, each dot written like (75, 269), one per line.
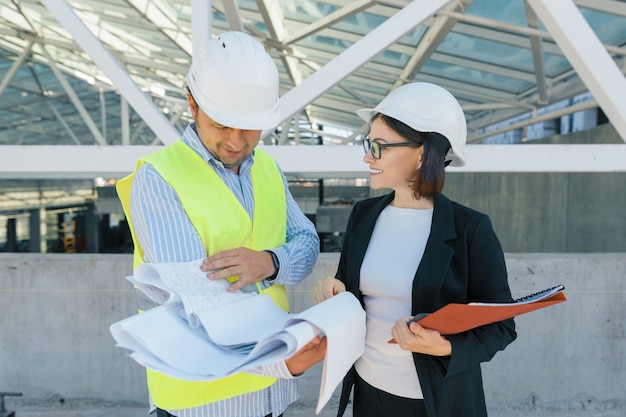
(487, 282)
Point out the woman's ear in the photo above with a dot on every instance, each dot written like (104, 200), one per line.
(420, 156)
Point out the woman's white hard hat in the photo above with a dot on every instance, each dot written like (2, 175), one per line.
(235, 82)
(426, 107)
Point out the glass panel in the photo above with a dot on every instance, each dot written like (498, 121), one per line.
(497, 53)
(475, 77)
(511, 11)
(487, 51)
(610, 29)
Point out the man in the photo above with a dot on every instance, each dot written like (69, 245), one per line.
(212, 195)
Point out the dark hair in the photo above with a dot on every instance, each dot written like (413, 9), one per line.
(195, 103)
(429, 179)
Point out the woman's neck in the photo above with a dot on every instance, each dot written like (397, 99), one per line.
(408, 200)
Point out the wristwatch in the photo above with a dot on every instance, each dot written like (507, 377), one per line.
(276, 266)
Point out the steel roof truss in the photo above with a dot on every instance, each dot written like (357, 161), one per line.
(615, 7)
(201, 24)
(536, 46)
(433, 36)
(570, 31)
(74, 98)
(116, 73)
(16, 65)
(338, 15)
(231, 11)
(357, 54)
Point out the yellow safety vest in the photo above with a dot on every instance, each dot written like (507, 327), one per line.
(222, 223)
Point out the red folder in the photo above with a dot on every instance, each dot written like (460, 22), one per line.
(456, 318)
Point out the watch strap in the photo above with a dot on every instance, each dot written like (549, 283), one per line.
(276, 265)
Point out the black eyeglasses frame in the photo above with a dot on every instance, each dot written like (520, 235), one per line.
(376, 148)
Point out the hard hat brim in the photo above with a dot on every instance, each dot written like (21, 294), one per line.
(454, 155)
(237, 117)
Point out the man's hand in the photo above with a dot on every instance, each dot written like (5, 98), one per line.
(309, 355)
(249, 265)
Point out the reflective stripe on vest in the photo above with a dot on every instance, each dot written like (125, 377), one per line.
(222, 223)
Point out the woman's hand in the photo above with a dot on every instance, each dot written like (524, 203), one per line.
(309, 355)
(326, 288)
(419, 339)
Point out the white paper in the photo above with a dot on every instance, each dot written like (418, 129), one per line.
(342, 320)
(184, 282)
(538, 296)
(249, 323)
(209, 334)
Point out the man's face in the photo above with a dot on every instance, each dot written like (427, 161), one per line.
(228, 145)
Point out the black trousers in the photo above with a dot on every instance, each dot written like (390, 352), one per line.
(372, 402)
(163, 413)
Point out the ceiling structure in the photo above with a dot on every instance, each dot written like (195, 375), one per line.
(88, 86)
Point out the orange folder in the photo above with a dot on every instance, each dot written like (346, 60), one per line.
(456, 318)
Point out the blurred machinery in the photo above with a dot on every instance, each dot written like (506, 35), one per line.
(331, 220)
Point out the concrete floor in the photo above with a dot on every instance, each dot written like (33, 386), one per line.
(580, 406)
(296, 410)
(31, 411)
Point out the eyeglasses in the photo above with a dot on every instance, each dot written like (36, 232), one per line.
(376, 148)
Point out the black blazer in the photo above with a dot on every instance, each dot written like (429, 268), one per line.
(463, 262)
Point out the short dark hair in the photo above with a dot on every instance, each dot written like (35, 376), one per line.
(189, 94)
(429, 179)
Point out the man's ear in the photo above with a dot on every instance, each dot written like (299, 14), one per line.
(193, 106)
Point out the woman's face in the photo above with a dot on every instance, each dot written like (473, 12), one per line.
(397, 165)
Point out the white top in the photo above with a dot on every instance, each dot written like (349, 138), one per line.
(391, 260)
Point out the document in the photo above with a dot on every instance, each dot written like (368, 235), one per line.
(201, 332)
(456, 318)
(184, 283)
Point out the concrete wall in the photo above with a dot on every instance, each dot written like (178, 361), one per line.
(548, 212)
(532, 212)
(55, 311)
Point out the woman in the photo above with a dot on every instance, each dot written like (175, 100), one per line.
(413, 251)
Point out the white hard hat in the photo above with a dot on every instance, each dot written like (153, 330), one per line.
(235, 82)
(426, 107)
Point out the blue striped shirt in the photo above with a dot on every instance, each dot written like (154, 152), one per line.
(167, 235)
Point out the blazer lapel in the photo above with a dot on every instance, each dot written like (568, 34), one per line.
(360, 238)
(437, 257)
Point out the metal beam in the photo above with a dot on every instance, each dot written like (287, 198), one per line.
(16, 65)
(113, 70)
(585, 105)
(585, 52)
(502, 26)
(433, 36)
(338, 15)
(615, 7)
(273, 18)
(358, 54)
(231, 11)
(163, 22)
(62, 122)
(125, 120)
(537, 49)
(74, 98)
(55, 162)
(201, 23)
